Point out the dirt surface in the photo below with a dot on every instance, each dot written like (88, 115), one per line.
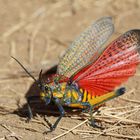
(37, 33)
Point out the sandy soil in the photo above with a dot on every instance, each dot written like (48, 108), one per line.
(37, 33)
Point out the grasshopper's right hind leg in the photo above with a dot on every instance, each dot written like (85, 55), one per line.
(93, 122)
(102, 99)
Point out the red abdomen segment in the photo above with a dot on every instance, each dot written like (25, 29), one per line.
(116, 64)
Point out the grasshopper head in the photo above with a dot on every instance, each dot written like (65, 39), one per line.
(46, 92)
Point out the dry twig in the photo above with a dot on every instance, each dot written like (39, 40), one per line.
(23, 23)
(12, 134)
(69, 130)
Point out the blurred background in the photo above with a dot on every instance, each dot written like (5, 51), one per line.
(37, 32)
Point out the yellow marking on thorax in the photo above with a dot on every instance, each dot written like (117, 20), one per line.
(74, 94)
(42, 95)
(57, 94)
(69, 94)
(63, 86)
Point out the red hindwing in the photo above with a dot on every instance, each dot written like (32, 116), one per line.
(116, 64)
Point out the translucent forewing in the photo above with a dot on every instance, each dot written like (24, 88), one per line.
(86, 48)
(116, 64)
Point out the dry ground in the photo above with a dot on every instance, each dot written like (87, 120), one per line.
(37, 33)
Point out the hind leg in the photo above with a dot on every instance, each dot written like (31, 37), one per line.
(93, 122)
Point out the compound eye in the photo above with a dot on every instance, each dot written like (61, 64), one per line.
(46, 88)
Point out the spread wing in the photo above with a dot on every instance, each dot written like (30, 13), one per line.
(116, 64)
(86, 48)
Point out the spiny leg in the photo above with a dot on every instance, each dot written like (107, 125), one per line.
(92, 119)
(29, 100)
(117, 93)
(89, 108)
(62, 112)
(101, 101)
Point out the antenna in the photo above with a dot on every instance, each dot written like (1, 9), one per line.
(40, 75)
(25, 69)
